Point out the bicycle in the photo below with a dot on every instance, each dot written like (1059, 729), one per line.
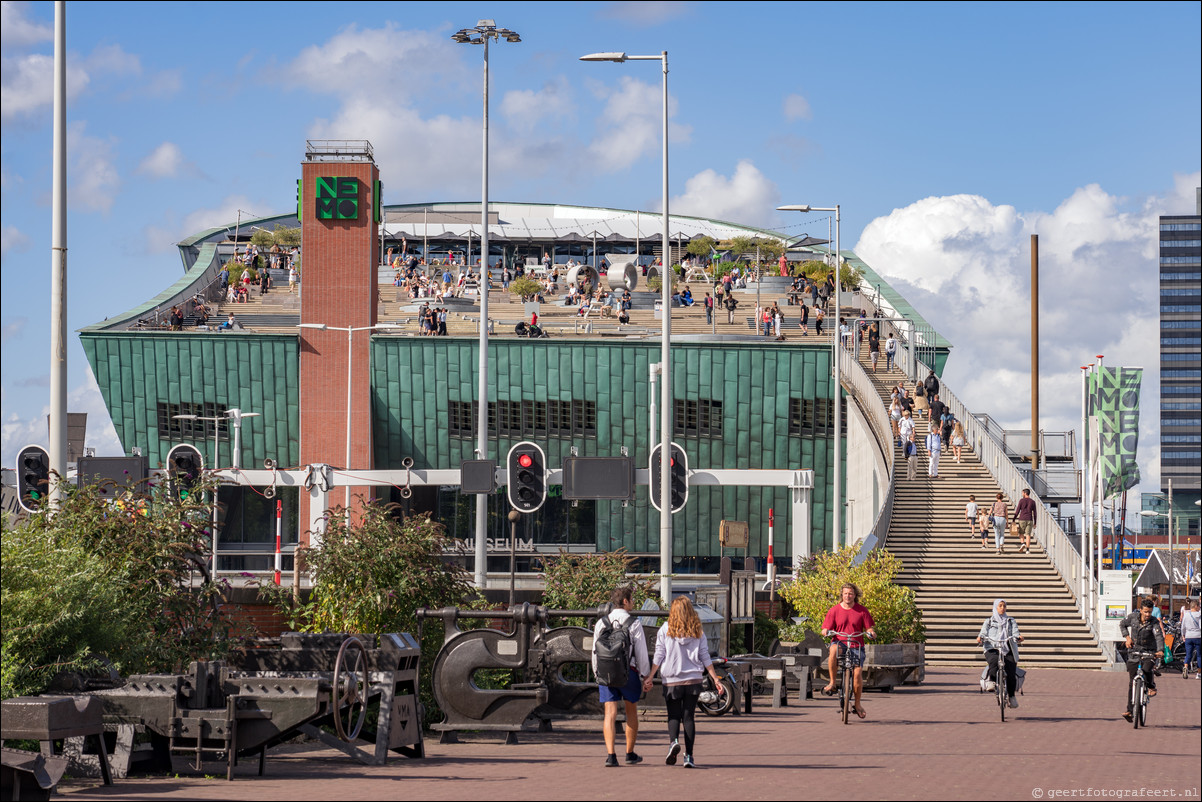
(849, 661)
(1139, 688)
(1003, 692)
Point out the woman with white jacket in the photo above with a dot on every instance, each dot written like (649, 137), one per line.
(682, 656)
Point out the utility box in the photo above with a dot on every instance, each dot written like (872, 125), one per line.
(733, 534)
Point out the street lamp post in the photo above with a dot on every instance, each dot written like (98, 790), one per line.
(665, 423)
(484, 31)
(350, 333)
(838, 485)
(1169, 516)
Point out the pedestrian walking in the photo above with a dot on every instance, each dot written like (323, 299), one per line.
(999, 513)
(634, 657)
(890, 352)
(1024, 519)
(911, 451)
(682, 657)
(970, 514)
(934, 448)
(958, 439)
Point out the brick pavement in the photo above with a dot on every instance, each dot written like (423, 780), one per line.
(941, 740)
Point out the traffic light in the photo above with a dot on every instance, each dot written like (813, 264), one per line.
(33, 477)
(184, 467)
(527, 471)
(679, 472)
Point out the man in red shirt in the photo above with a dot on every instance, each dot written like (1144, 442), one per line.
(1024, 516)
(846, 624)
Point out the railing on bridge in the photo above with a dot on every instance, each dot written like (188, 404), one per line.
(993, 455)
(857, 382)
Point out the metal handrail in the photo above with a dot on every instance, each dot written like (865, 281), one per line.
(864, 393)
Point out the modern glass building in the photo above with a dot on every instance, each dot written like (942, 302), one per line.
(1181, 362)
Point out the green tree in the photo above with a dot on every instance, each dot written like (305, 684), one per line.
(701, 246)
(287, 237)
(525, 287)
(262, 238)
(371, 574)
(584, 581)
(103, 580)
(893, 607)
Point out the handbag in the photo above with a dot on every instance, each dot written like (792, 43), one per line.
(1014, 529)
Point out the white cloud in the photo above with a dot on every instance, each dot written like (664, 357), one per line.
(163, 237)
(631, 124)
(164, 161)
(94, 181)
(113, 59)
(527, 109)
(965, 264)
(17, 30)
(797, 107)
(13, 328)
(748, 195)
(164, 83)
(28, 79)
(645, 13)
(17, 432)
(11, 239)
(386, 64)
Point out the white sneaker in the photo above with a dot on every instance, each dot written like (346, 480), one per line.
(990, 686)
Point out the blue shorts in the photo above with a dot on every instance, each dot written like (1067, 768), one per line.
(857, 652)
(630, 692)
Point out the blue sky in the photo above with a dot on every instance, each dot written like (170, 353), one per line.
(947, 132)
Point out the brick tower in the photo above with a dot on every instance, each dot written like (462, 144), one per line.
(339, 207)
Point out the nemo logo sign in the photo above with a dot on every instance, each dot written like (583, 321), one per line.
(337, 198)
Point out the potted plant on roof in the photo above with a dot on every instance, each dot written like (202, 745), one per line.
(897, 654)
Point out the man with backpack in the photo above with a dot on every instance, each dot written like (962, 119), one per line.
(620, 663)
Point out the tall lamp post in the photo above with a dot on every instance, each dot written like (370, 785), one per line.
(836, 507)
(350, 354)
(665, 420)
(1169, 516)
(484, 31)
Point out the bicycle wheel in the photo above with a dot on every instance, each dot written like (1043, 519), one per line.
(848, 691)
(1002, 698)
(1137, 699)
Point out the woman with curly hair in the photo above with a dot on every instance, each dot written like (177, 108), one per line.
(682, 655)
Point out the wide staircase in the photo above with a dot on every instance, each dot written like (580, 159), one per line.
(956, 581)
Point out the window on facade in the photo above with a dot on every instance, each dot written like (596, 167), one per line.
(809, 417)
(701, 418)
(512, 419)
(172, 428)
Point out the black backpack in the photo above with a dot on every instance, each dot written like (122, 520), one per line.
(613, 649)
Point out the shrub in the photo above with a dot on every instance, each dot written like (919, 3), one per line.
(105, 581)
(655, 283)
(370, 576)
(583, 581)
(525, 287)
(893, 607)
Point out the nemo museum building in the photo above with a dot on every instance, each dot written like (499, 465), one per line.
(339, 370)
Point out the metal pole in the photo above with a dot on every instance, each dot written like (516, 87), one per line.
(279, 524)
(58, 263)
(665, 422)
(1034, 350)
(350, 333)
(1170, 571)
(838, 489)
(1085, 464)
(481, 577)
(216, 492)
(514, 515)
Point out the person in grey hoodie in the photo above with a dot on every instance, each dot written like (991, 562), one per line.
(682, 656)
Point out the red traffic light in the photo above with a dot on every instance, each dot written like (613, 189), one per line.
(525, 460)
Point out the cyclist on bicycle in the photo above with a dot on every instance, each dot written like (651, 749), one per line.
(1000, 636)
(1142, 632)
(847, 618)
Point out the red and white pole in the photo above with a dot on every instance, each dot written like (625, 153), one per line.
(279, 524)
